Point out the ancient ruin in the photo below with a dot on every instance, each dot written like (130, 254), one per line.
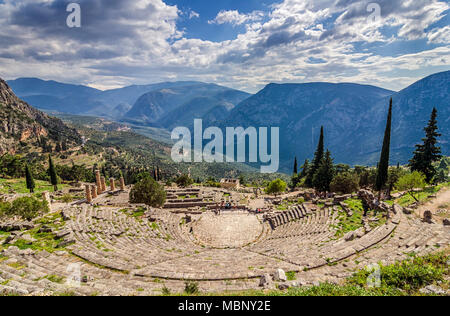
(223, 239)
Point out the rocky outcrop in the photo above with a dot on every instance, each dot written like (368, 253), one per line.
(21, 122)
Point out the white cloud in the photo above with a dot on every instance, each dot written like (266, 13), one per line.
(235, 18)
(193, 14)
(142, 44)
(439, 35)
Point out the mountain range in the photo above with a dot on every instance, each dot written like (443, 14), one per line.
(152, 104)
(353, 115)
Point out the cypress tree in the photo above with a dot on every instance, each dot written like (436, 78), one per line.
(428, 152)
(318, 157)
(324, 175)
(52, 173)
(305, 169)
(383, 165)
(295, 166)
(29, 179)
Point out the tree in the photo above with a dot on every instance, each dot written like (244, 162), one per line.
(149, 192)
(340, 168)
(29, 179)
(442, 176)
(394, 175)
(345, 183)
(427, 153)
(305, 169)
(52, 173)
(276, 186)
(318, 156)
(242, 180)
(411, 181)
(184, 181)
(295, 166)
(295, 178)
(443, 164)
(383, 165)
(324, 175)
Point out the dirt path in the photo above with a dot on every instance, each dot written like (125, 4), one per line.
(441, 202)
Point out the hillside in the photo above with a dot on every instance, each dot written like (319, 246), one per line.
(411, 112)
(178, 106)
(354, 117)
(300, 109)
(23, 128)
(117, 147)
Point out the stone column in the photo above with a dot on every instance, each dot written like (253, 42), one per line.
(98, 181)
(112, 184)
(122, 184)
(88, 193)
(103, 184)
(94, 191)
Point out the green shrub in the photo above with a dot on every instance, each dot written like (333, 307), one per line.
(149, 192)
(191, 287)
(166, 291)
(411, 181)
(291, 275)
(409, 275)
(276, 186)
(26, 207)
(345, 183)
(184, 181)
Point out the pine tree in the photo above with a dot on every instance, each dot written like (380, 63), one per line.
(318, 157)
(29, 179)
(52, 173)
(383, 165)
(305, 169)
(428, 152)
(295, 167)
(324, 174)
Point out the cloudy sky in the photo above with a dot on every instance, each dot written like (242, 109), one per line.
(244, 44)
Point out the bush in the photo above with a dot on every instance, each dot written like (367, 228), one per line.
(276, 186)
(409, 275)
(411, 181)
(345, 183)
(149, 192)
(4, 208)
(184, 181)
(25, 207)
(191, 288)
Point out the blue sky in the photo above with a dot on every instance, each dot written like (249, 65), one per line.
(208, 10)
(241, 44)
